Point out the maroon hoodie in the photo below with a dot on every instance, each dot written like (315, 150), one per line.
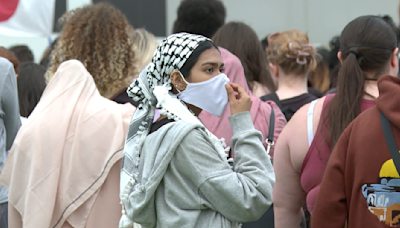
(361, 184)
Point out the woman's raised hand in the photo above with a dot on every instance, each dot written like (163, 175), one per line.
(239, 100)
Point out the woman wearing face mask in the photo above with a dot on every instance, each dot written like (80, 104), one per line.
(175, 172)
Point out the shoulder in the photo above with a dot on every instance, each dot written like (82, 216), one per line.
(7, 69)
(126, 109)
(183, 131)
(367, 120)
(298, 146)
(271, 97)
(228, 57)
(5, 64)
(191, 132)
(301, 114)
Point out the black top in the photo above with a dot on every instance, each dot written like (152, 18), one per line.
(291, 105)
(123, 98)
(315, 92)
(157, 125)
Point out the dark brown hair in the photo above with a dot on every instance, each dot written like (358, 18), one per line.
(31, 84)
(367, 44)
(243, 42)
(23, 53)
(320, 76)
(5, 53)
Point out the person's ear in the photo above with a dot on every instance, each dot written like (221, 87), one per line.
(394, 63)
(274, 70)
(339, 55)
(394, 60)
(177, 82)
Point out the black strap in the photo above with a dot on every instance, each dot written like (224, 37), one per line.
(271, 126)
(390, 141)
(272, 97)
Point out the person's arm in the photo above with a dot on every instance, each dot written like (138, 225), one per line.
(290, 152)
(331, 207)
(288, 195)
(242, 195)
(10, 106)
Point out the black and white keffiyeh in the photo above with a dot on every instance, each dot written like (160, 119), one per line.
(153, 90)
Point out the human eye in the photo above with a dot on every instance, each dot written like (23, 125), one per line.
(222, 70)
(210, 70)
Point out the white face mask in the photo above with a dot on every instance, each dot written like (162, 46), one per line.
(209, 95)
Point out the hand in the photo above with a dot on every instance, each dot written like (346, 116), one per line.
(239, 100)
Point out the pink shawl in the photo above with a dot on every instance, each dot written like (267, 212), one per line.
(64, 153)
(260, 111)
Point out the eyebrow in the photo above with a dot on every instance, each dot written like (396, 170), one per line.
(212, 63)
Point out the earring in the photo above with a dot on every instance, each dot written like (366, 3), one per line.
(176, 87)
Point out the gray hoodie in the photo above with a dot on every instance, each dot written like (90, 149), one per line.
(185, 183)
(9, 115)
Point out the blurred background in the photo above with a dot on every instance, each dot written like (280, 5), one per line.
(320, 19)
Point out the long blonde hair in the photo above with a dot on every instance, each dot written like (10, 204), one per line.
(145, 44)
(98, 36)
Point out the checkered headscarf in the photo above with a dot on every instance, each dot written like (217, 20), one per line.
(170, 55)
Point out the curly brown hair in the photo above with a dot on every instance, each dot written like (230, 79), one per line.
(98, 36)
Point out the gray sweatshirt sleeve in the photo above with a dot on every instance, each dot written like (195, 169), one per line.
(241, 195)
(10, 106)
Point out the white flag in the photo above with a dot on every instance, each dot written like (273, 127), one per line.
(26, 17)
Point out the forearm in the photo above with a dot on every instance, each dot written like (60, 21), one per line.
(251, 158)
(243, 195)
(247, 144)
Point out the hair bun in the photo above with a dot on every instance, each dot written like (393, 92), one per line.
(300, 52)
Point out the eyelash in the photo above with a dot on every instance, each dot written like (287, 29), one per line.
(212, 70)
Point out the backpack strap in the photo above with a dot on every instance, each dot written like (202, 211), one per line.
(310, 127)
(272, 97)
(270, 140)
(390, 141)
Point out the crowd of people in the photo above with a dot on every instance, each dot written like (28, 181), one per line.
(211, 127)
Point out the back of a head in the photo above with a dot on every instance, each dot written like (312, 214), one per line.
(366, 44)
(292, 52)
(202, 17)
(242, 41)
(31, 84)
(389, 20)
(145, 44)
(23, 53)
(5, 53)
(320, 75)
(45, 61)
(98, 36)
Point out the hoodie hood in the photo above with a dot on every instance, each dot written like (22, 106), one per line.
(157, 152)
(389, 96)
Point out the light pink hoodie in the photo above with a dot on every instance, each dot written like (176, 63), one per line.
(260, 111)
